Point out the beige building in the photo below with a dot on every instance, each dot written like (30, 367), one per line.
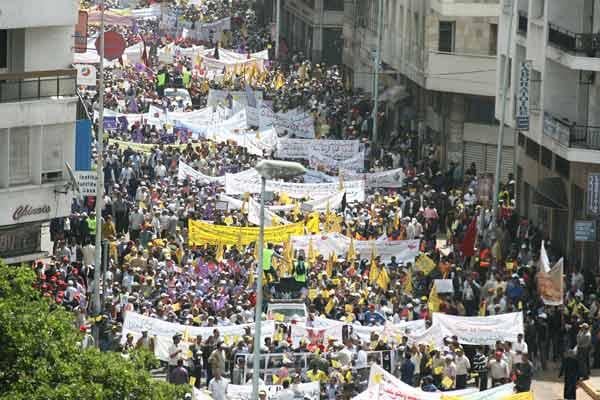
(561, 148)
(438, 72)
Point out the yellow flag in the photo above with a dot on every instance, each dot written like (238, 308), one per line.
(279, 81)
(383, 280)
(425, 264)
(397, 221)
(482, 308)
(312, 252)
(408, 285)
(312, 294)
(220, 252)
(329, 306)
(447, 383)
(434, 300)
(373, 272)
(251, 279)
(329, 265)
(351, 255)
(312, 225)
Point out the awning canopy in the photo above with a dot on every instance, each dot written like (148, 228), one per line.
(394, 94)
(551, 193)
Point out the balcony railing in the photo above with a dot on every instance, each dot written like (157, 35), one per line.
(23, 86)
(523, 22)
(570, 134)
(588, 43)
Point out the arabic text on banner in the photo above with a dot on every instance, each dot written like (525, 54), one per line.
(202, 232)
(302, 391)
(301, 148)
(480, 330)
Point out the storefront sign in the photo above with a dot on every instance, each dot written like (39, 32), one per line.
(26, 210)
(24, 239)
(523, 97)
(585, 231)
(593, 194)
(87, 182)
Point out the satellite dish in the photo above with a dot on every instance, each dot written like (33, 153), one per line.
(74, 184)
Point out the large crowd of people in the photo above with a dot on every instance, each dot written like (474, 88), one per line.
(153, 269)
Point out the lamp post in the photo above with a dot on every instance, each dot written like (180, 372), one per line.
(267, 169)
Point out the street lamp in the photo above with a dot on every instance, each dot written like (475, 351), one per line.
(267, 169)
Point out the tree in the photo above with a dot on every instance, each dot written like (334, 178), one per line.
(41, 357)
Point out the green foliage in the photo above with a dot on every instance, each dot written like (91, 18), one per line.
(41, 358)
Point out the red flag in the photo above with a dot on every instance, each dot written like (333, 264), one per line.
(468, 243)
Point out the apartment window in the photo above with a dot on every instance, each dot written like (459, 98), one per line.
(334, 5)
(521, 140)
(446, 36)
(3, 48)
(19, 156)
(480, 110)
(52, 143)
(562, 166)
(493, 39)
(532, 149)
(546, 158)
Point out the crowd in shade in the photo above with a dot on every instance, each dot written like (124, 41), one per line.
(468, 260)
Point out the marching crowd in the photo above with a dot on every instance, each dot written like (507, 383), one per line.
(153, 269)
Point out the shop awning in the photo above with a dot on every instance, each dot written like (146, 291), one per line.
(551, 193)
(394, 94)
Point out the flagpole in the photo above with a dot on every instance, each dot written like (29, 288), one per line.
(99, 183)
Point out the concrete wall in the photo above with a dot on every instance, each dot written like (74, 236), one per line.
(37, 13)
(560, 91)
(48, 48)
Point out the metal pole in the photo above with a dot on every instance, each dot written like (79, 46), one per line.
(503, 98)
(259, 293)
(277, 17)
(376, 79)
(99, 179)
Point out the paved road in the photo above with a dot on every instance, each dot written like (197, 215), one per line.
(546, 385)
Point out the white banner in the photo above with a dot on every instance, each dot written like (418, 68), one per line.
(393, 178)
(320, 161)
(333, 201)
(163, 331)
(302, 391)
(480, 330)
(302, 148)
(249, 181)
(297, 122)
(86, 75)
(185, 171)
(390, 387)
(404, 250)
(316, 334)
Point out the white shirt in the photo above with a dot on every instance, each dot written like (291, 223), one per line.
(88, 252)
(286, 394)
(462, 365)
(361, 359)
(218, 388)
(522, 347)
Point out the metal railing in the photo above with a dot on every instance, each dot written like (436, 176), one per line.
(588, 43)
(23, 86)
(571, 134)
(271, 363)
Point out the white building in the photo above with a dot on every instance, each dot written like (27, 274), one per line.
(313, 27)
(37, 119)
(438, 72)
(562, 146)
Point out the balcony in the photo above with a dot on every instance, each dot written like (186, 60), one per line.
(523, 23)
(26, 86)
(446, 72)
(571, 134)
(588, 43)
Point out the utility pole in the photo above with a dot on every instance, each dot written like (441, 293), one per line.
(503, 98)
(375, 144)
(277, 27)
(99, 181)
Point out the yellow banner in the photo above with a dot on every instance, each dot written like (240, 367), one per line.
(202, 232)
(425, 264)
(145, 147)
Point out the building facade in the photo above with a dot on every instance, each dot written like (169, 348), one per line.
(313, 27)
(37, 120)
(561, 149)
(438, 73)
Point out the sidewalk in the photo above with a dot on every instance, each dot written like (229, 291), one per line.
(592, 385)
